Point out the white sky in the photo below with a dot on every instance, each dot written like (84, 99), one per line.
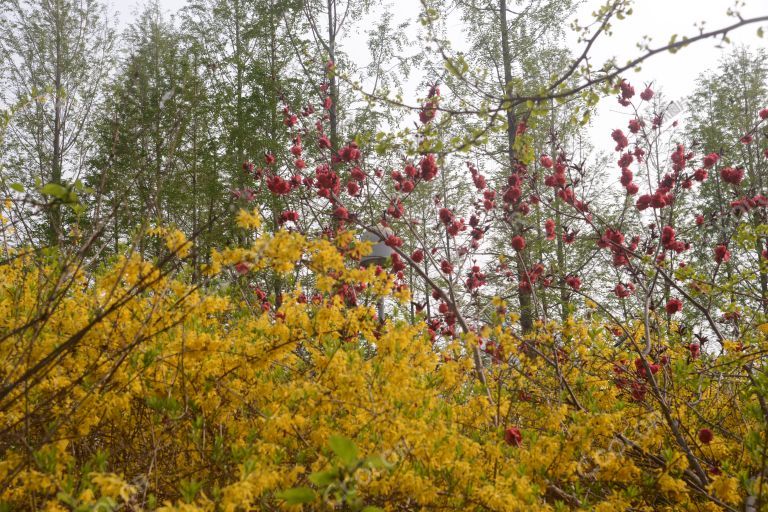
(658, 19)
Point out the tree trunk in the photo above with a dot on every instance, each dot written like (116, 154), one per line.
(526, 305)
(333, 83)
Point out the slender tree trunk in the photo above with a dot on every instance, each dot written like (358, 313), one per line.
(54, 228)
(334, 93)
(526, 305)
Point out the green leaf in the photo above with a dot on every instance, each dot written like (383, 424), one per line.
(344, 449)
(323, 478)
(18, 187)
(297, 495)
(376, 462)
(53, 189)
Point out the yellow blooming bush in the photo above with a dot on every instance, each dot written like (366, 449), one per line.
(126, 388)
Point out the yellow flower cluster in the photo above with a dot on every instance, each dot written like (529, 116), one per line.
(130, 389)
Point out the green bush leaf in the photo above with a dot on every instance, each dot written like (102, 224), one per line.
(344, 449)
(297, 495)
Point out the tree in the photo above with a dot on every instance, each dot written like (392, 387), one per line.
(723, 112)
(60, 49)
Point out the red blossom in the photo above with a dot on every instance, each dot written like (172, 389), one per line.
(710, 160)
(647, 94)
(549, 227)
(518, 243)
(278, 185)
(513, 437)
(706, 436)
(722, 255)
(620, 139)
(732, 175)
(428, 167)
(673, 306)
(574, 282)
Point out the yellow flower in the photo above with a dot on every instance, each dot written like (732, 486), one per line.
(248, 220)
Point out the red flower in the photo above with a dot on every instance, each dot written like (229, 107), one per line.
(635, 125)
(428, 111)
(341, 213)
(446, 217)
(398, 264)
(574, 282)
(706, 436)
(625, 160)
(673, 306)
(278, 185)
(242, 268)
(446, 267)
(731, 175)
(356, 174)
(621, 291)
(512, 436)
(699, 220)
(269, 158)
(763, 113)
(695, 350)
(632, 189)
(546, 161)
(394, 241)
(647, 94)
(700, 174)
(289, 215)
(324, 142)
(417, 256)
(710, 160)
(722, 254)
(518, 243)
(620, 139)
(549, 227)
(428, 167)
(747, 139)
(327, 103)
(667, 236)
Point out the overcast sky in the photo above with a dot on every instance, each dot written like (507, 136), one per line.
(658, 19)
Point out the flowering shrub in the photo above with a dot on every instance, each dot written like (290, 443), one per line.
(128, 388)
(137, 391)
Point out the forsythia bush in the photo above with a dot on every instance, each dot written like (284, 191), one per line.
(127, 389)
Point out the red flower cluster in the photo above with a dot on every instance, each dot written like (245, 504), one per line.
(574, 282)
(731, 175)
(614, 240)
(647, 94)
(626, 92)
(622, 291)
(513, 437)
(289, 216)
(722, 255)
(669, 242)
(549, 228)
(620, 139)
(428, 167)
(673, 306)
